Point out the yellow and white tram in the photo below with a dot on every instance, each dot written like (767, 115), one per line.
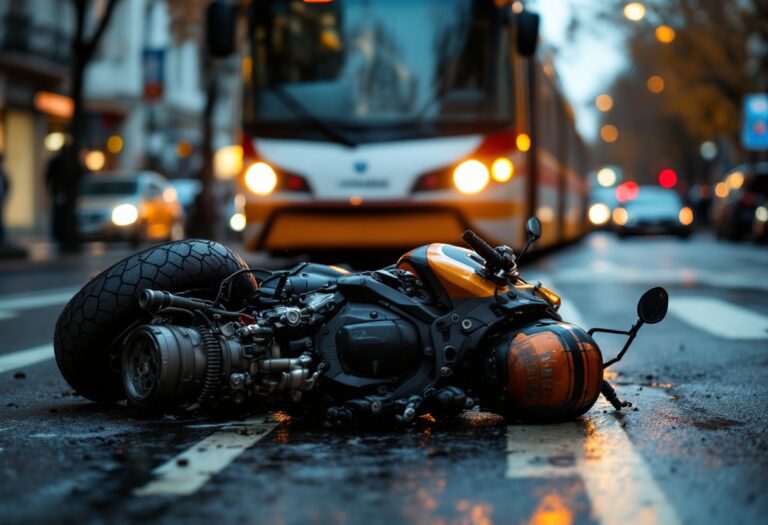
(393, 123)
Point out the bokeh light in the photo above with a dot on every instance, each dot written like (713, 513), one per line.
(523, 142)
(599, 214)
(609, 133)
(665, 34)
(655, 84)
(667, 178)
(606, 177)
(115, 144)
(95, 160)
(54, 141)
(634, 11)
(604, 102)
(471, 176)
(627, 191)
(502, 169)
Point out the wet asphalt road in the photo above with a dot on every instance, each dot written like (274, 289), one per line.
(694, 451)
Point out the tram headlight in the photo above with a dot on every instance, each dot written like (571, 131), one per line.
(471, 176)
(260, 178)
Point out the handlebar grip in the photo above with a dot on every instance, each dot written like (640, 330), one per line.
(483, 249)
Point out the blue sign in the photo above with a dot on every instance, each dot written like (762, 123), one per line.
(154, 69)
(754, 129)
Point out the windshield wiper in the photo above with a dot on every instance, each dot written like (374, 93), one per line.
(298, 109)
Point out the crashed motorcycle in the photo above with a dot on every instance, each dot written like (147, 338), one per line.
(188, 325)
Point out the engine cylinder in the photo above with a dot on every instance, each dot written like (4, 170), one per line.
(163, 365)
(547, 371)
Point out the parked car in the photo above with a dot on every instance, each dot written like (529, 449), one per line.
(654, 210)
(737, 198)
(132, 206)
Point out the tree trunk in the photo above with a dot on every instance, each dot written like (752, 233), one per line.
(71, 176)
(206, 212)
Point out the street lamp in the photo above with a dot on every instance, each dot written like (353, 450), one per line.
(665, 34)
(634, 11)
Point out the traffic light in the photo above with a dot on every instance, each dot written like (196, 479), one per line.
(667, 178)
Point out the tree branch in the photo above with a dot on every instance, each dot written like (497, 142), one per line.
(90, 46)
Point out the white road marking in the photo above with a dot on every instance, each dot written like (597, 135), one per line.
(24, 358)
(609, 272)
(6, 315)
(720, 318)
(618, 482)
(28, 301)
(186, 473)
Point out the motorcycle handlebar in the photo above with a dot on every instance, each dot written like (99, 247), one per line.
(492, 258)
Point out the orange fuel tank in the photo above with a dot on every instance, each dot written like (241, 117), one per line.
(457, 270)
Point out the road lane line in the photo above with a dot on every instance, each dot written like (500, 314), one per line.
(24, 358)
(186, 473)
(28, 301)
(720, 318)
(618, 482)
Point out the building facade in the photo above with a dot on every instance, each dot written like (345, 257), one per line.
(144, 94)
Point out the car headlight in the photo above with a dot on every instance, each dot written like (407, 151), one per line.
(260, 178)
(471, 176)
(124, 215)
(620, 216)
(237, 222)
(685, 216)
(599, 214)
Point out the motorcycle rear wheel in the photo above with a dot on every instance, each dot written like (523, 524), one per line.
(107, 305)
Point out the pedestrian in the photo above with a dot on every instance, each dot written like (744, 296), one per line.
(5, 188)
(56, 180)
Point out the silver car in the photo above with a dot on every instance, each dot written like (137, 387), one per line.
(132, 206)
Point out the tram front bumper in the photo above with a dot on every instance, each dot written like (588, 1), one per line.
(296, 228)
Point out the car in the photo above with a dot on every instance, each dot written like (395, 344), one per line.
(602, 201)
(654, 210)
(737, 198)
(130, 206)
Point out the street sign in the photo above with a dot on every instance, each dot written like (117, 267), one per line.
(154, 64)
(754, 129)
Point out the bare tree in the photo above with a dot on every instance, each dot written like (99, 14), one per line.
(83, 48)
(188, 24)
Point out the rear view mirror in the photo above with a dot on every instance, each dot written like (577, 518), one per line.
(527, 33)
(652, 306)
(533, 228)
(220, 28)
